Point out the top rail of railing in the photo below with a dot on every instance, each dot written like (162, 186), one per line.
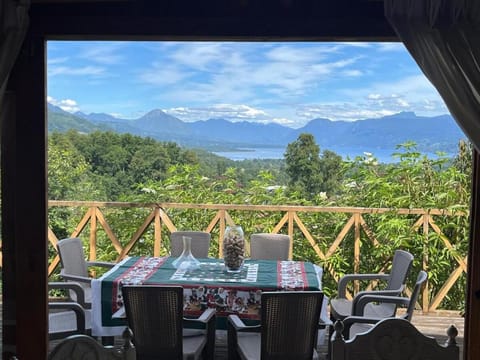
(328, 209)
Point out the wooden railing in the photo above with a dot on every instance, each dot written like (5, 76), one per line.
(290, 220)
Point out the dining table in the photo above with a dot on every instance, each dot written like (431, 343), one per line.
(207, 286)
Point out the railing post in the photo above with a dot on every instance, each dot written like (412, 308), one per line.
(356, 250)
(222, 233)
(93, 234)
(425, 297)
(157, 226)
(291, 219)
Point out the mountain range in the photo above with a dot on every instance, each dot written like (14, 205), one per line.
(439, 133)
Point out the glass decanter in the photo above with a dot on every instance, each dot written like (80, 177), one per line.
(186, 261)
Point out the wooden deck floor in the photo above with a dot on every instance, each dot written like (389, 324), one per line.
(434, 325)
(437, 324)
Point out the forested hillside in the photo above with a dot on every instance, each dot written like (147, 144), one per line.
(108, 166)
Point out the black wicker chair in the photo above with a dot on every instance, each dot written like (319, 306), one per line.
(288, 328)
(155, 316)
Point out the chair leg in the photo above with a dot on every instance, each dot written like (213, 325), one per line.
(329, 339)
(232, 342)
(209, 350)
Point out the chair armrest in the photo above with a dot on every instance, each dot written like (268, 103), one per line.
(104, 264)
(239, 325)
(360, 320)
(75, 307)
(323, 323)
(77, 288)
(205, 317)
(208, 319)
(345, 279)
(78, 278)
(356, 299)
(234, 326)
(359, 306)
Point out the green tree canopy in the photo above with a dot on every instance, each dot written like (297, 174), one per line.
(309, 172)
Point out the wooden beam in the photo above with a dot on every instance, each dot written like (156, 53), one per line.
(267, 20)
(472, 325)
(24, 191)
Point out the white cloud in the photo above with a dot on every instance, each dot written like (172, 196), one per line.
(356, 44)
(200, 56)
(233, 112)
(372, 105)
(75, 71)
(283, 121)
(163, 75)
(59, 60)
(64, 104)
(352, 73)
(222, 72)
(389, 46)
(341, 111)
(106, 53)
(410, 93)
(288, 54)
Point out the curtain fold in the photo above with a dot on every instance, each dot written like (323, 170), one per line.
(443, 37)
(13, 27)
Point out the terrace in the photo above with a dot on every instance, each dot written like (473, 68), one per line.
(357, 226)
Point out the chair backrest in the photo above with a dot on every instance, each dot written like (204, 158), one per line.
(392, 339)
(200, 243)
(86, 347)
(289, 324)
(154, 314)
(421, 280)
(401, 264)
(72, 257)
(269, 246)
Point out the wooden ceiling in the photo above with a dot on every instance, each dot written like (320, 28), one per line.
(254, 20)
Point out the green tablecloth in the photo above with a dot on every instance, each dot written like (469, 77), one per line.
(210, 286)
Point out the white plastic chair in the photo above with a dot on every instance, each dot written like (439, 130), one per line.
(341, 307)
(361, 323)
(75, 266)
(68, 317)
(264, 246)
(200, 243)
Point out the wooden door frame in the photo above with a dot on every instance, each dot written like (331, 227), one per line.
(23, 115)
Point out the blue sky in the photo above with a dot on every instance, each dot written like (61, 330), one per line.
(286, 83)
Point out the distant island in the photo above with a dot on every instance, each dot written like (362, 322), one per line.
(378, 135)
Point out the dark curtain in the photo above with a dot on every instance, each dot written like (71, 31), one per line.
(443, 37)
(13, 27)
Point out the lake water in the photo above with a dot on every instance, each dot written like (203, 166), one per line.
(382, 155)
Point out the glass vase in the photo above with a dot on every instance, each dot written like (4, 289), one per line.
(233, 248)
(186, 261)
